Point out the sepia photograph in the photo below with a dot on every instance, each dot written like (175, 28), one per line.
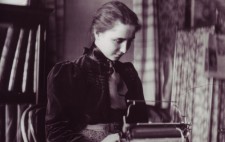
(112, 70)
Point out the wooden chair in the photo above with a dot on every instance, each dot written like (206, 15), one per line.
(28, 121)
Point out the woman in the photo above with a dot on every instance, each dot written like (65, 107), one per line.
(87, 97)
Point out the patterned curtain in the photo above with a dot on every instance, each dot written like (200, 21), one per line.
(146, 48)
(197, 96)
(171, 16)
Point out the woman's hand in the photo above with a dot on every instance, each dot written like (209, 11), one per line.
(112, 138)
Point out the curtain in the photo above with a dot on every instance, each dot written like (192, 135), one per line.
(171, 16)
(146, 57)
(197, 96)
(154, 47)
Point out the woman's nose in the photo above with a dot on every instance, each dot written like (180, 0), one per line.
(123, 47)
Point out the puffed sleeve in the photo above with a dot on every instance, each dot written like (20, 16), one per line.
(65, 92)
(138, 112)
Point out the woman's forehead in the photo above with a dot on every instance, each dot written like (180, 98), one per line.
(120, 27)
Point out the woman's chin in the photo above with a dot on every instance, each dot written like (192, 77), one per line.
(115, 58)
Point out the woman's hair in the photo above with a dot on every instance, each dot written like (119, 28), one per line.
(109, 13)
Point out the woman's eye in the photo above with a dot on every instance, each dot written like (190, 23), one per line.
(118, 40)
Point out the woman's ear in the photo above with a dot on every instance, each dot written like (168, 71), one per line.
(96, 34)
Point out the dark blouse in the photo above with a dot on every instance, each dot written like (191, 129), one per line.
(78, 95)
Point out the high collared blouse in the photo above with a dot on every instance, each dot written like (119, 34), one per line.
(78, 95)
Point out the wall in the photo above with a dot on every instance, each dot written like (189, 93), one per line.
(78, 16)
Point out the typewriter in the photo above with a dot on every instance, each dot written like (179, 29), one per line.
(152, 131)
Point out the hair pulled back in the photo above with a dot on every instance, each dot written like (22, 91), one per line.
(109, 13)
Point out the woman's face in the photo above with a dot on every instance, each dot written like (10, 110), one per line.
(114, 42)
